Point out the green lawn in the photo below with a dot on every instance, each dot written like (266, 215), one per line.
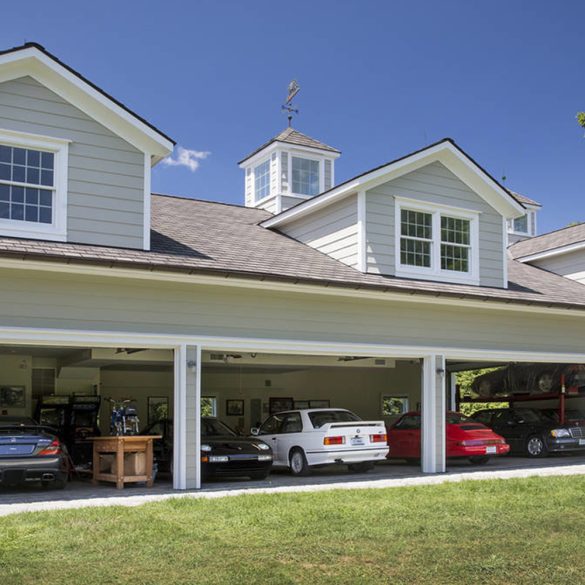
(514, 531)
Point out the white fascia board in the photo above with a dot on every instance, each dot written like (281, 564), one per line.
(444, 152)
(552, 253)
(358, 292)
(32, 62)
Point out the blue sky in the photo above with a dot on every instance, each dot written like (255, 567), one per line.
(378, 78)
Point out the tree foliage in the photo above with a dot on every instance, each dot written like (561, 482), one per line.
(465, 383)
(581, 119)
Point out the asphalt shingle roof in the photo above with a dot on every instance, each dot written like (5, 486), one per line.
(203, 237)
(292, 136)
(523, 199)
(552, 240)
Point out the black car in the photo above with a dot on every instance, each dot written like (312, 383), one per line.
(31, 453)
(531, 432)
(223, 452)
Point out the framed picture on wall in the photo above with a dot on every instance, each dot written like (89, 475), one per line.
(234, 407)
(12, 397)
(158, 408)
(319, 403)
(302, 404)
(280, 404)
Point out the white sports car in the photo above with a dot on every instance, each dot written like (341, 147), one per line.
(301, 439)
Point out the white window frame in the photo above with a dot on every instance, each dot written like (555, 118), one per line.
(57, 230)
(303, 156)
(254, 193)
(529, 223)
(406, 404)
(434, 272)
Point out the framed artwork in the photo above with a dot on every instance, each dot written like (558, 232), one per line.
(158, 408)
(12, 396)
(302, 404)
(280, 404)
(234, 407)
(319, 403)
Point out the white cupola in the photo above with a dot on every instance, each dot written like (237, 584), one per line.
(286, 170)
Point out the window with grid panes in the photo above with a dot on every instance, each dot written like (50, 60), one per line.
(27, 184)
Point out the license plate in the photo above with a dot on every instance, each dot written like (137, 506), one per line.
(16, 449)
(581, 442)
(356, 441)
(491, 450)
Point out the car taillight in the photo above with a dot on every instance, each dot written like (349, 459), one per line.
(53, 449)
(378, 438)
(334, 440)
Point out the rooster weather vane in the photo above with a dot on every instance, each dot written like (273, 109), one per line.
(293, 89)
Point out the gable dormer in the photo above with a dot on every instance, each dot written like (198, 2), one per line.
(433, 215)
(75, 163)
(288, 169)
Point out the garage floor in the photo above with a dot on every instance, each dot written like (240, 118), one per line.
(83, 489)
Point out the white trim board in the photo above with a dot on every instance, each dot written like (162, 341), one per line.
(92, 338)
(551, 253)
(328, 290)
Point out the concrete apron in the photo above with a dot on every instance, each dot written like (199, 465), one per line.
(137, 500)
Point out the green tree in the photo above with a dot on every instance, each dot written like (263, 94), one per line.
(581, 119)
(465, 383)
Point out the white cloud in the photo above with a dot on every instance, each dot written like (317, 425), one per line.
(183, 157)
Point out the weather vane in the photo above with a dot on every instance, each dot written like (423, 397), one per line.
(293, 89)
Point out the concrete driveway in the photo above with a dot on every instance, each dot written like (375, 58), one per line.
(81, 493)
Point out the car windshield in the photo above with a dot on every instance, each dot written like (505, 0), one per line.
(211, 427)
(456, 418)
(319, 418)
(529, 415)
(12, 422)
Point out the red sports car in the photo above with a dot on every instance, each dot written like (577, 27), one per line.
(465, 438)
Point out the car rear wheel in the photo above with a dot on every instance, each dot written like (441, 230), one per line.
(363, 467)
(298, 462)
(260, 474)
(479, 459)
(535, 446)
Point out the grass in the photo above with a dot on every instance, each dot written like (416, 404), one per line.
(512, 532)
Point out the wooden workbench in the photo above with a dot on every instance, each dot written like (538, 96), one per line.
(120, 446)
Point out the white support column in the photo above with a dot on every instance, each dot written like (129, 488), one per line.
(187, 418)
(433, 414)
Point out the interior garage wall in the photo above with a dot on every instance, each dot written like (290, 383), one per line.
(16, 370)
(357, 389)
(137, 385)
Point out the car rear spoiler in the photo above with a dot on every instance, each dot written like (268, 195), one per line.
(357, 423)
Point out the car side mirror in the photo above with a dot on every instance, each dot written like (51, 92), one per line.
(255, 431)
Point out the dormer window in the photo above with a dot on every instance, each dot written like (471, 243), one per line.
(436, 243)
(262, 180)
(33, 186)
(305, 176)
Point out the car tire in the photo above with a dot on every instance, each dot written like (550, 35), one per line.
(535, 446)
(479, 459)
(298, 462)
(259, 475)
(363, 467)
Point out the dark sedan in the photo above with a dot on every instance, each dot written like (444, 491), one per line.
(531, 432)
(223, 452)
(31, 453)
